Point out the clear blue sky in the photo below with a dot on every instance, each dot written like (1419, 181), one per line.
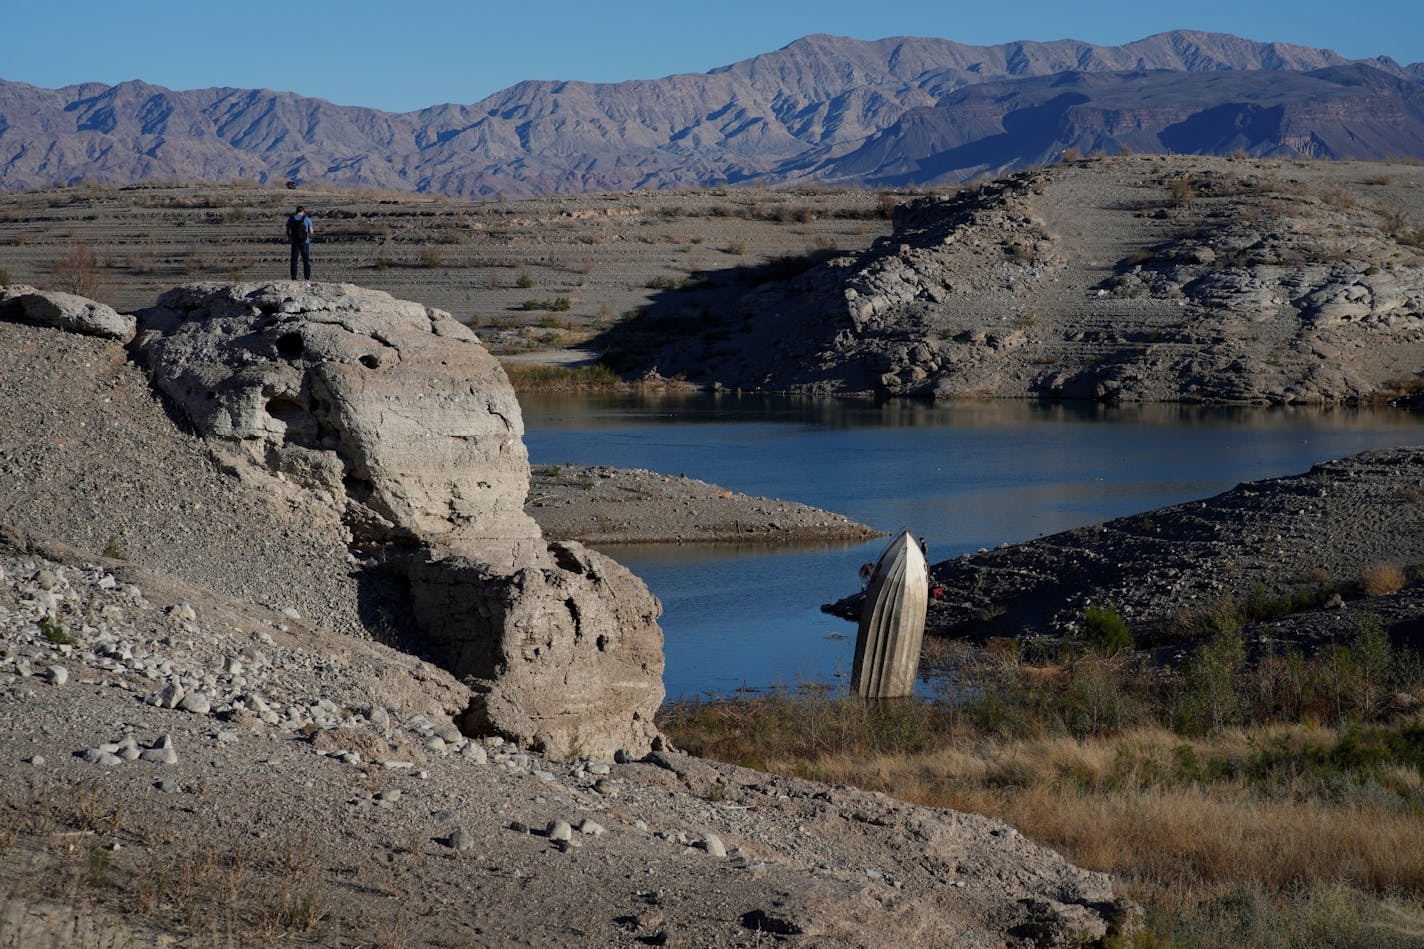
(402, 56)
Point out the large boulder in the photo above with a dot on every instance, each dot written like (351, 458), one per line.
(396, 414)
(66, 311)
(560, 656)
(393, 406)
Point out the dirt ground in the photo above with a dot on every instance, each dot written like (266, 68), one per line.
(545, 270)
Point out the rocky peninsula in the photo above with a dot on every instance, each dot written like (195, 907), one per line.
(1346, 533)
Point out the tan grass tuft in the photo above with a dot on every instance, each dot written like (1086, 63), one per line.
(1379, 579)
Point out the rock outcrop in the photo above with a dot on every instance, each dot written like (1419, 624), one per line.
(396, 416)
(66, 311)
(1189, 279)
(389, 405)
(558, 655)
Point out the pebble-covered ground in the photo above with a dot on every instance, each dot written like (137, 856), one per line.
(183, 769)
(1329, 527)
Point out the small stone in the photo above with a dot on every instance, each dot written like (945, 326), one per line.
(196, 702)
(169, 696)
(542, 775)
(475, 753)
(390, 795)
(159, 755)
(460, 839)
(591, 827)
(560, 830)
(37, 759)
(291, 613)
(98, 756)
(714, 846)
(169, 786)
(605, 787)
(58, 675)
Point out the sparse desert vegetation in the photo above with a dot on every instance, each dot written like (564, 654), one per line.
(1269, 802)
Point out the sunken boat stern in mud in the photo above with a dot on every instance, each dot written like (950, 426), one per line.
(892, 623)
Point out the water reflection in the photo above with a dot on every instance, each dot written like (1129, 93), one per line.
(964, 475)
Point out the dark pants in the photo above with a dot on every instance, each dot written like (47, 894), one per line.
(305, 251)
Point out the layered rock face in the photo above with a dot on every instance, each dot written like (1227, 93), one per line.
(395, 415)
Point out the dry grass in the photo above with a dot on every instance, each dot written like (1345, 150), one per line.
(1379, 579)
(542, 377)
(77, 270)
(1272, 832)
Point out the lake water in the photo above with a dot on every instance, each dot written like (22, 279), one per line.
(964, 476)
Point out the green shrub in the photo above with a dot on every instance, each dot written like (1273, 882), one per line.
(1211, 697)
(54, 631)
(525, 281)
(1105, 630)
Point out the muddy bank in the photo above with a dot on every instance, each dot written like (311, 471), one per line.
(603, 505)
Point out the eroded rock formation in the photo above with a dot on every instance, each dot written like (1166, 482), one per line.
(558, 654)
(390, 405)
(396, 415)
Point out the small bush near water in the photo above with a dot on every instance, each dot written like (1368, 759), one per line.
(1274, 802)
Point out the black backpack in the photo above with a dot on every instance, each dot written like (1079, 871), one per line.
(297, 229)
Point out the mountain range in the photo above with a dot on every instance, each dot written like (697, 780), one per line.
(898, 111)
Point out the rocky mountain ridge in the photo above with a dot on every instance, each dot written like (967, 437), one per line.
(781, 115)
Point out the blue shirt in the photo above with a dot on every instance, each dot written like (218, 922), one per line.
(302, 217)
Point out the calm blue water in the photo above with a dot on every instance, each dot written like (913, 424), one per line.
(964, 476)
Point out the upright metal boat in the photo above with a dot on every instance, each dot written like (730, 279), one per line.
(892, 622)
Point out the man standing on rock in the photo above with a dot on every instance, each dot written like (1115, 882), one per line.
(299, 232)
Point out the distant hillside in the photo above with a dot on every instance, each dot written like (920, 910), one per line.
(796, 111)
(1354, 111)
